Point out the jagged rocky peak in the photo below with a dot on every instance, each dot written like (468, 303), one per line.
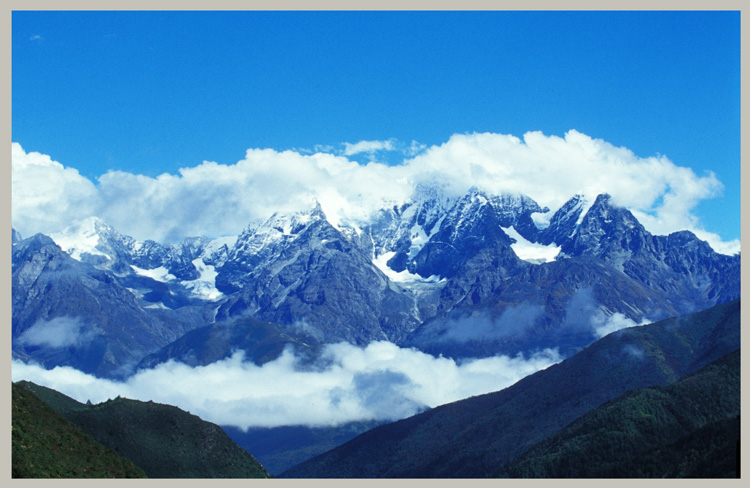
(260, 235)
(34, 244)
(605, 228)
(93, 241)
(583, 218)
(278, 238)
(507, 208)
(36, 255)
(564, 222)
(404, 228)
(401, 232)
(605, 210)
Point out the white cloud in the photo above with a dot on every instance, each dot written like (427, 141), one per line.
(583, 312)
(380, 381)
(368, 147)
(58, 332)
(216, 199)
(604, 324)
(46, 195)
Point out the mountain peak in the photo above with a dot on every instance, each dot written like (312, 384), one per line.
(81, 237)
(604, 208)
(92, 239)
(87, 225)
(35, 242)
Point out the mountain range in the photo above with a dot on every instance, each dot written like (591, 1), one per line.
(469, 276)
(454, 276)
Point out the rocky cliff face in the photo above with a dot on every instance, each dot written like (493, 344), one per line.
(302, 269)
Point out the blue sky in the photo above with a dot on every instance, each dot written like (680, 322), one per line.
(148, 93)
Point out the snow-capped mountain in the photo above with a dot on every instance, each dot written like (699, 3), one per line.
(427, 235)
(610, 272)
(187, 267)
(93, 241)
(469, 275)
(297, 268)
(67, 312)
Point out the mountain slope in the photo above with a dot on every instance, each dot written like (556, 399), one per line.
(560, 304)
(163, 440)
(47, 445)
(68, 313)
(260, 341)
(474, 437)
(669, 431)
(301, 268)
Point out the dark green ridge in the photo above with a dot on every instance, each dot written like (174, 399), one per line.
(47, 445)
(163, 440)
(688, 429)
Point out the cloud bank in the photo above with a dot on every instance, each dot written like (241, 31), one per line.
(217, 199)
(348, 383)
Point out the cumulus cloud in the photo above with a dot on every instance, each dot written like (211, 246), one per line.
(349, 383)
(47, 196)
(216, 199)
(58, 332)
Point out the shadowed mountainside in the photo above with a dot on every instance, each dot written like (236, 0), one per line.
(47, 445)
(164, 441)
(476, 436)
(688, 429)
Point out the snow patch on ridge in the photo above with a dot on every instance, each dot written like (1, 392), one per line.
(205, 285)
(158, 274)
(402, 277)
(530, 251)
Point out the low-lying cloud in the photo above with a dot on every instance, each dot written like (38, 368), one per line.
(349, 383)
(58, 332)
(483, 325)
(604, 324)
(48, 196)
(584, 313)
